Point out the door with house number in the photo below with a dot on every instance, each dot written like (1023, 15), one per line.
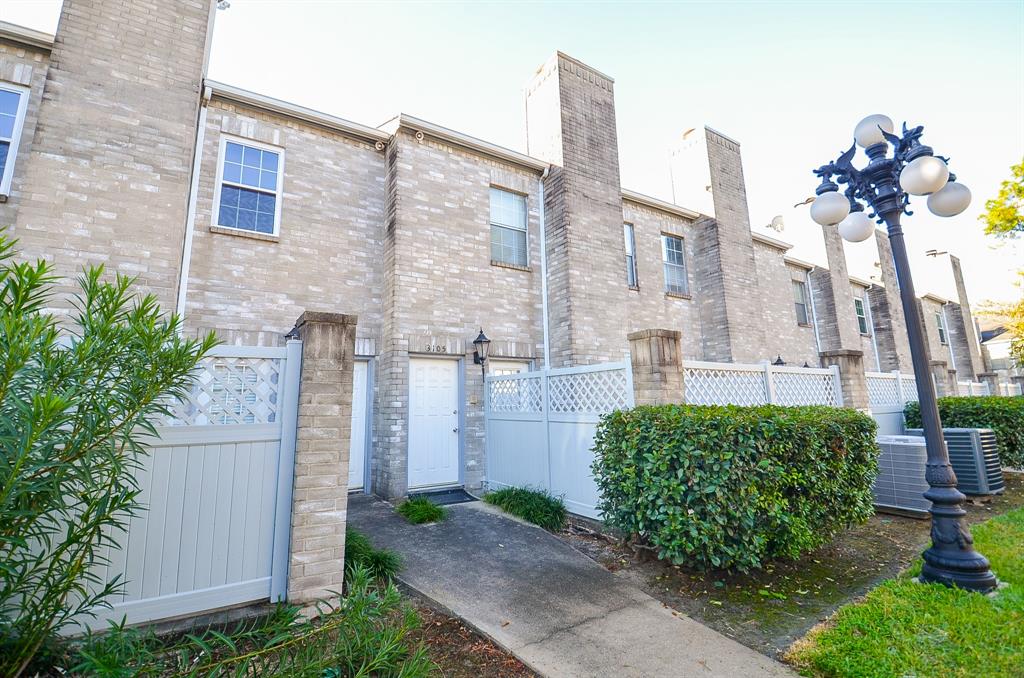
(433, 422)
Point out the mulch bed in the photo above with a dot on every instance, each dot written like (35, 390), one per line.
(460, 652)
(768, 610)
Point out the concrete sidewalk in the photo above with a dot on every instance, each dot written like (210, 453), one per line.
(554, 608)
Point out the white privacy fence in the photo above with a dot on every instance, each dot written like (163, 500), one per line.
(216, 487)
(892, 389)
(973, 388)
(1010, 389)
(736, 384)
(541, 425)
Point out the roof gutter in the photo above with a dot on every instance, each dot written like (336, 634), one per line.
(464, 141)
(25, 36)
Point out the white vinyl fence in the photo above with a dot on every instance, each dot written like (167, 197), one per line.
(541, 425)
(1006, 389)
(737, 384)
(972, 388)
(217, 491)
(888, 393)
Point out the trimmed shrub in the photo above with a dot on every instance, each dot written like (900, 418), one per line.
(419, 510)
(534, 506)
(1003, 414)
(732, 487)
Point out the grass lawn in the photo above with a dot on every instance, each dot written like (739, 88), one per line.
(902, 628)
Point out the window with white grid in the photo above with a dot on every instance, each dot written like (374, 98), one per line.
(941, 324)
(508, 228)
(803, 317)
(13, 103)
(862, 317)
(249, 177)
(629, 236)
(674, 257)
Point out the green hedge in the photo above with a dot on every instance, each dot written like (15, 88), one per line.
(733, 487)
(1002, 414)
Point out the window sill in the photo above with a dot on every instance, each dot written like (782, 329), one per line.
(514, 267)
(677, 295)
(865, 334)
(803, 324)
(633, 288)
(227, 230)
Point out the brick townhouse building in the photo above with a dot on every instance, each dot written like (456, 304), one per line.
(241, 211)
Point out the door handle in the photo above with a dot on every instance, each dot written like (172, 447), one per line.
(455, 430)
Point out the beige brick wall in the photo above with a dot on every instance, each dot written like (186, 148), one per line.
(108, 169)
(440, 288)
(783, 335)
(327, 252)
(649, 306)
(25, 66)
(936, 349)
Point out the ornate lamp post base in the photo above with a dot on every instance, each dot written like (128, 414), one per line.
(951, 559)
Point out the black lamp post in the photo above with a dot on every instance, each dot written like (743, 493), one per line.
(885, 186)
(481, 346)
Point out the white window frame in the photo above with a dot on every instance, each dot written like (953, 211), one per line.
(943, 332)
(802, 284)
(15, 140)
(629, 231)
(278, 192)
(525, 229)
(504, 366)
(665, 264)
(860, 310)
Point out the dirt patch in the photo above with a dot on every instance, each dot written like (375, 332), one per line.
(462, 653)
(770, 609)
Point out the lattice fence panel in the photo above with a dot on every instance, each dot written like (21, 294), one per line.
(595, 392)
(725, 386)
(909, 388)
(883, 391)
(519, 394)
(232, 390)
(797, 388)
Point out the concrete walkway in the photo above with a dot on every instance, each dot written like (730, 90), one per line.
(553, 607)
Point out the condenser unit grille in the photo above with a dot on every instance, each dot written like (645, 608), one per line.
(975, 459)
(900, 483)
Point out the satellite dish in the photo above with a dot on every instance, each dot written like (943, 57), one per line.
(777, 225)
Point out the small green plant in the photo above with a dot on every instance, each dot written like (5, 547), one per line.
(419, 510)
(366, 633)
(361, 554)
(1003, 414)
(534, 506)
(76, 400)
(728, 487)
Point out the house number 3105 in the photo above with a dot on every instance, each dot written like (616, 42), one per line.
(436, 348)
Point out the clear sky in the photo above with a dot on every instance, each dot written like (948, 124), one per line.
(789, 80)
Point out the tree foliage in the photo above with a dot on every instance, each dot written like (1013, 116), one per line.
(76, 400)
(1004, 214)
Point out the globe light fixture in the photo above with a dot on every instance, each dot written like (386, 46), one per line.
(829, 208)
(869, 130)
(924, 175)
(950, 200)
(885, 186)
(857, 227)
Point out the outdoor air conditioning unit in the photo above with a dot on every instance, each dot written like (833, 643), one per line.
(975, 459)
(900, 484)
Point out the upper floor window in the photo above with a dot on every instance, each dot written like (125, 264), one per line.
(800, 297)
(630, 238)
(940, 322)
(674, 257)
(862, 318)
(508, 228)
(13, 103)
(249, 186)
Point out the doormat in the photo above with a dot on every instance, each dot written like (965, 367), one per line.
(446, 497)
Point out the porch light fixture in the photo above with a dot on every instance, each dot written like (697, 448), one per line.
(779, 362)
(884, 187)
(481, 346)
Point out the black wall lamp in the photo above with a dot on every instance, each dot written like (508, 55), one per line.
(481, 347)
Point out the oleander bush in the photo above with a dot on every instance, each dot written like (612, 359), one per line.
(729, 487)
(1002, 414)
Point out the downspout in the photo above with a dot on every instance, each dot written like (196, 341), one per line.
(190, 219)
(544, 268)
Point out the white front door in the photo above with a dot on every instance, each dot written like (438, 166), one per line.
(357, 450)
(433, 422)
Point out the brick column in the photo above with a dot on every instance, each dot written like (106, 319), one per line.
(320, 500)
(940, 375)
(952, 382)
(992, 379)
(851, 376)
(657, 362)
